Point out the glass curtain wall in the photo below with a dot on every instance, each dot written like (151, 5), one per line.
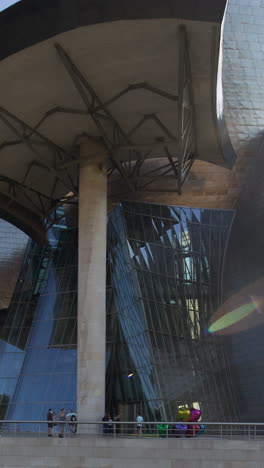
(38, 337)
(163, 285)
(166, 264)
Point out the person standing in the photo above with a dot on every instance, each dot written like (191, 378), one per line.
(72, 418)
(110, 425)
(139, 420)
(62, 419)
(117, 426)
(50, 419)
(54, 429)
(106, 418)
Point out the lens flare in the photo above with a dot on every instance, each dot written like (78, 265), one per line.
(130, 375)
(242, 311)
(232, 317)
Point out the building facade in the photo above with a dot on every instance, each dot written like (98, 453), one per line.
(164, 283)
(166, 279)
(38, 335)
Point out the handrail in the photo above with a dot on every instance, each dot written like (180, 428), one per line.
(167, 429)
(217, 423)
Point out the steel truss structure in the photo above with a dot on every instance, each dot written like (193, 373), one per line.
(132, 166)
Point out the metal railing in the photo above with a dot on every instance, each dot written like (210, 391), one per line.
(131, 429)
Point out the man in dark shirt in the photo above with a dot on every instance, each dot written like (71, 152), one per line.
(50, 417)
(106, 428)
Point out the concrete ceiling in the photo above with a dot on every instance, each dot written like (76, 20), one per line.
(49, 87)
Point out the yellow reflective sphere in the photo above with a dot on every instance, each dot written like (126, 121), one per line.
(183, 414)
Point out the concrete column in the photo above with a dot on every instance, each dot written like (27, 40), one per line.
(92, 282)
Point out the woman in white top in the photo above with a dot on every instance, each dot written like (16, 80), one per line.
(139, 420)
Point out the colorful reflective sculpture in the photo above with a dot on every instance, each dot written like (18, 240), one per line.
(188, 415)
(183, 414)
(194, 415)
(193, 430)
(163, 429)
(202, 429)
(179, 430)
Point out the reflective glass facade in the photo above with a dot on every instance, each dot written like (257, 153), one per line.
(38, 336)
(166, 265)
(163, 285)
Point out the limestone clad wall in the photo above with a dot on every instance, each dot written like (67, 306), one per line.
(207, 186)
(92, 452)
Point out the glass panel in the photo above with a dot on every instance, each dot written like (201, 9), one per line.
(164, 284)
(38, 333)
(160, 352)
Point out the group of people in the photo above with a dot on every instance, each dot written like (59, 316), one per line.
(113, 426)
(62, 418)
(110, 428)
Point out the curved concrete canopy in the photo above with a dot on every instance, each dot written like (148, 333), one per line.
(32, 21)
(166, 72)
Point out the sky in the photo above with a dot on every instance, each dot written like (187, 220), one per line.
(6, 3)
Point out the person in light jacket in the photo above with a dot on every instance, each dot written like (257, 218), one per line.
(62, 418)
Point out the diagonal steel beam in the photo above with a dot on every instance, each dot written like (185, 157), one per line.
(30, 129)
(185, 132)
(81, 84)
(156, 169)
(5, 116)
(33, 150)
(118, 142)
(15, 188)
(96, 109)
(24, 188)
(154, 179)
(174, 168)
(181, 70)
(13, 198)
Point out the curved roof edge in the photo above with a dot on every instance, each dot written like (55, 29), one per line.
(31, 21)
(223, 137)
(225, 143)
(23, 219)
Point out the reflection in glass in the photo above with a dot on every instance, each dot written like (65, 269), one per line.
(39, 333)
(163, 285)
(166, 265)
